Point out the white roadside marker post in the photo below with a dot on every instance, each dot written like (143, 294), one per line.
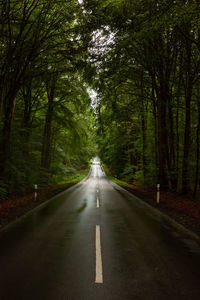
(158, 194)
(35, 193)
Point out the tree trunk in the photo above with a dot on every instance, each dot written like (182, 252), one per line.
(46, 147)
(177, 127)
(187, 137)
(160, 74)
(197, 153)
(155, 130)
(9, 110)
(143, 125)
(172, 160)
(144, 146)
(26, 122)
(162, 140)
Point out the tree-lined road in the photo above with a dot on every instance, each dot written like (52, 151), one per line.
(97, 241)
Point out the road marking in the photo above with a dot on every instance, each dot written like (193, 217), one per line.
(97, 190)
(99, 270)
(97, 202)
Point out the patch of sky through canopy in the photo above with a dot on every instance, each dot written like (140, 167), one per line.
(102, 41)
(94, 99)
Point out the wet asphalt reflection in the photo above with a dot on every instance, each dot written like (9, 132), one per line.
(97, 241)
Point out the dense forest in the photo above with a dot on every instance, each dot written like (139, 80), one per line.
(147, 59)
(44, 104)
(143, 60)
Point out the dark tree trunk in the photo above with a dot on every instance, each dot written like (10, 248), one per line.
(162, 139)
(197, 153)
(187, 134)
(26, 122)
(162, 133)
(143, 123)
(46, 147)
(172, 159)
(177, 128)
(155, 130)
(144, 146)
(160, 74)
(9, 110)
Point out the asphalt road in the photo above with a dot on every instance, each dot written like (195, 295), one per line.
(97, 241)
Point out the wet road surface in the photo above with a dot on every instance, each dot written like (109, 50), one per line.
(97, 241)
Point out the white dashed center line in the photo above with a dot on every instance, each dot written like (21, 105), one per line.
(97, 202)
(99, 269)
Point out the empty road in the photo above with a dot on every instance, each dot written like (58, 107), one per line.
(97, 241)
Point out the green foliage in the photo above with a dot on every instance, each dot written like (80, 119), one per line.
(148, 82)
(45, 131)
(117, 181)
(73, 178)
(142, 58)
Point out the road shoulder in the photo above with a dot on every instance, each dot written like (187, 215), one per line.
(180, 222)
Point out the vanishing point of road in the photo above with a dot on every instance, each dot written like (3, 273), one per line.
(97, 241)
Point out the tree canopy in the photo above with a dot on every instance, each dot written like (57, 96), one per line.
(148, 80)
(44, 104)
(143, 60)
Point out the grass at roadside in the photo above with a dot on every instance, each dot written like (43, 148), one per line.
(75, 178)
(118, 181)
(114, 179)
